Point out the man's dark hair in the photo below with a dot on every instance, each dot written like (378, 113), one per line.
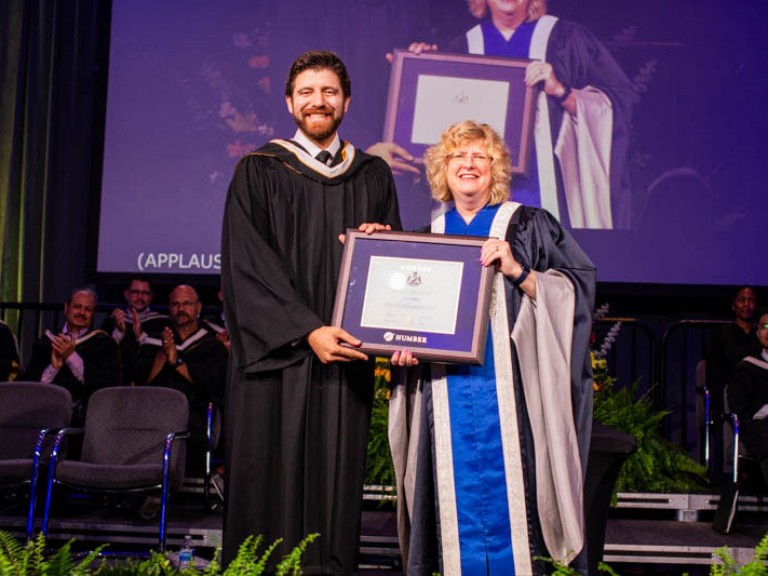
(744, 287)
(319, 60)
(140, 278)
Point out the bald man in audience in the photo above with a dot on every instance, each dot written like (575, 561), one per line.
(189, 358)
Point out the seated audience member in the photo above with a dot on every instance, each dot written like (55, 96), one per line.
(191, 359)
(724, 350)
(79, 358)
(132, 326)
(137, 316)
(218, 324)
(9, 354)
(730, 343)
(748, 396)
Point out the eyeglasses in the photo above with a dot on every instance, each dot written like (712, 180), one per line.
(184, 304)
(762, 326)
(476, 159)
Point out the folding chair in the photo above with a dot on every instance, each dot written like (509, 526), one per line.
(29, 413)
(129, 446)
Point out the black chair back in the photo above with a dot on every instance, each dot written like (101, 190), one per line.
(129, 445)
(127, 425)
(30, 414)
(25, 409)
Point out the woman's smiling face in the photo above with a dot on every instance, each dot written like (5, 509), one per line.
(469, 173)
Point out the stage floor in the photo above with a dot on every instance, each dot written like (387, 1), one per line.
(639, 540)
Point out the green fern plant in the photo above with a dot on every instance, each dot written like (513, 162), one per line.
(33, 559)
(729, 567)
(378, 463)
(291, 564)
(560, 569)
(12, 555)
(248, 560)
(156, 565)
(658, 465)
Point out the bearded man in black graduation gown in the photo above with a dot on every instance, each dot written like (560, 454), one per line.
(137, 330)
(188, 357)
(298, 402)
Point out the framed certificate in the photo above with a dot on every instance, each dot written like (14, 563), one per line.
(425, 292)
(430, 91)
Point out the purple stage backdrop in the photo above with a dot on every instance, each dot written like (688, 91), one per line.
(195, 85)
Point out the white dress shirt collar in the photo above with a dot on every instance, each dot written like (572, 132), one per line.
(313, 148)
(78, 334)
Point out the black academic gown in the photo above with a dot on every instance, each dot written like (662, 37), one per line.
(137, 359)
(728, 345)
(206, 360)
(9, 354)
(539, 242)
(101, 367)
(579, 60)
(297, 428)
(747, 394)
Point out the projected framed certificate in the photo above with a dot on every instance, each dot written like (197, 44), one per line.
(430, 91)
(425, 292)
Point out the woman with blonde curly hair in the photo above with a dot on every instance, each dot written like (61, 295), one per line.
(438, 159)
(490, 479)
(534, 10)
(578, 169)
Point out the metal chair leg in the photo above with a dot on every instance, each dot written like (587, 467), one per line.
(51, 475)
(735, 422)
(33, 481)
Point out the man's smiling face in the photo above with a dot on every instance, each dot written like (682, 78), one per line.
(317, 104)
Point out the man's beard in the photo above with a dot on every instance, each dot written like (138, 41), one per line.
(182, 320)
(79, 322)
(318, 134)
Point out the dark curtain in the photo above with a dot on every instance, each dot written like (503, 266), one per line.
(53, 62)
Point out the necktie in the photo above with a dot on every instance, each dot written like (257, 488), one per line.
(324, 156)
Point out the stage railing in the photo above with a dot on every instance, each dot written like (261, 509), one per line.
(632, 355)
(681, 346)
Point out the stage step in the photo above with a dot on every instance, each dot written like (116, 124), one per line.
(666, 533)
(634, 542)
(687, 507)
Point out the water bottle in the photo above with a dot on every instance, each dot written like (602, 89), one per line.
(186, 554)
